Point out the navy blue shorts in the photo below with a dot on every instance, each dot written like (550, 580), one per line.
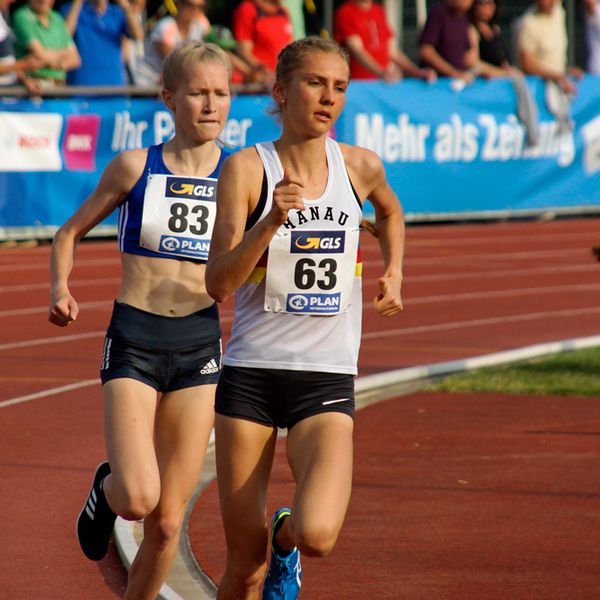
(166, 353)
(281, 398)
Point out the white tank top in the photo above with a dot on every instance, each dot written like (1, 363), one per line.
(304, 332)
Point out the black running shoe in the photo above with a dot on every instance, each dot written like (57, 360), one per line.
(96, 520)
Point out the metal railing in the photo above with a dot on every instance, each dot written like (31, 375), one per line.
(67, 91)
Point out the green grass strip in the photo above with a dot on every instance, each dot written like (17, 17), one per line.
(569, 374)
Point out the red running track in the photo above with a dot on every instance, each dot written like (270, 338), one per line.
(470, 290)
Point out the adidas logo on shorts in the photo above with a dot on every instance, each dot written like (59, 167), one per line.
(210, 367)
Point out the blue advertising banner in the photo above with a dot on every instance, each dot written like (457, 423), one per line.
(447, 151)
(53, 152)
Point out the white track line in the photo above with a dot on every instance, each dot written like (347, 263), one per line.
(490, 273)
(42, 310)
(514, 293)
(61, 339)
(495, 257)
(366, 336)
(441, 276)
(39, 310)
(503, 293)
(373, 335)
(84, 262)
(465, 240)
(73, 283)
(49, 392)
(492, 257)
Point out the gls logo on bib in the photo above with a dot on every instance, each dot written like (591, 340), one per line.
(178, 187)
(317, 242)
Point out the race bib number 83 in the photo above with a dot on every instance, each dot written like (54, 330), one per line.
(179, 215)
(311, 272)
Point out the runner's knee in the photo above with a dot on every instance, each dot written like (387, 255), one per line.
(165, 529)
(316, 540)
(135, 504)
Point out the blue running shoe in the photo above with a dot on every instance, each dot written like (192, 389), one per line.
(284, 576)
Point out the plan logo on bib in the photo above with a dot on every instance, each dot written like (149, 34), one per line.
(185, 246)
(169, 243)
(313, 303)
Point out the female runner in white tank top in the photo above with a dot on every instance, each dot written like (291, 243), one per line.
(286, 242)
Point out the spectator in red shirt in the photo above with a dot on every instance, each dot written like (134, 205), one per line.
(262, 28)
(362, 27)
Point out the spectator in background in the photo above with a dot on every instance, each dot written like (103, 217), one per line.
(12, 71)
(313, 19)
(306, 18)
(42, 32)
(492, 61)
(262, 28)
(591, 10)
(488, 36)
(186, 22)
(242, 72)
(190, 24)
(491, 55)
(361, 26)
(99, 29)
(133, 49)
(446, 42)
(295, 10)
(541, 36)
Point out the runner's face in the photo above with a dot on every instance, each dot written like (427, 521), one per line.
(201, 102)
(316, 93)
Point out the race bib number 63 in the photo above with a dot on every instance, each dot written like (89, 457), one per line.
(311, 272)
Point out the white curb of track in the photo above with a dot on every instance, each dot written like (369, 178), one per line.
(379, 380)
(124, 530)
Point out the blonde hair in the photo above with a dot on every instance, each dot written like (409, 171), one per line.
(291, 56)
(180, 58)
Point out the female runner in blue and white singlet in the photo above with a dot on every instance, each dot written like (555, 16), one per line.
(162, 351)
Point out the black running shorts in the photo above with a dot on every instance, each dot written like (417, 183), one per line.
(166, 353)
(282, 398)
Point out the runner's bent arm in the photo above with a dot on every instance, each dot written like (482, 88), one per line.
(234, 252)
(366, 169)
(118, 178)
